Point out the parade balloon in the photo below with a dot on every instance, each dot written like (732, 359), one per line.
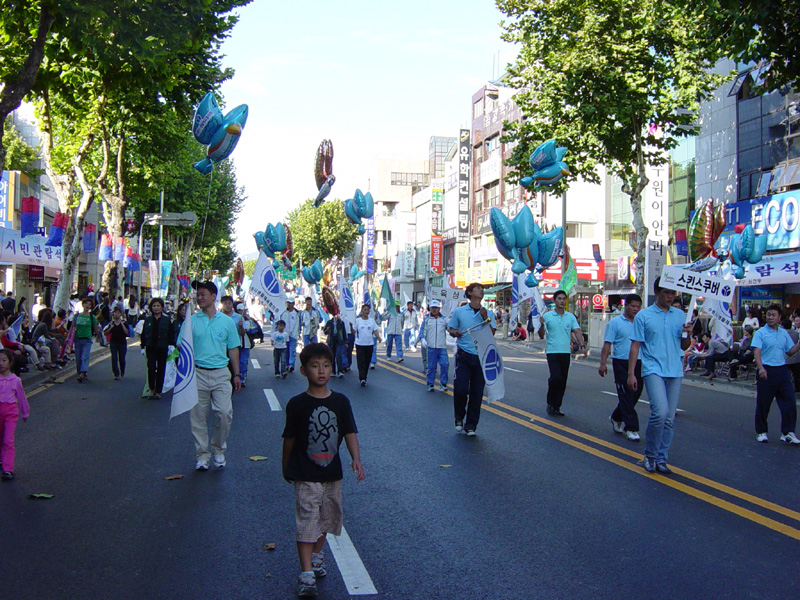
(317, 271)
(350, 212)
(507, 253)
(528, 256)
(547, 164)
(307, 276)
(323, 171)
(353, 271)
(524, 227)
(289, 249)
(224, 139)
(550, 245)
(363, 204)
(207, 119)
(705, 228)
(502, 229)
(531, 281)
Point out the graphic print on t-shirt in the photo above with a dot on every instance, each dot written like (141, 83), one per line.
(323, 436)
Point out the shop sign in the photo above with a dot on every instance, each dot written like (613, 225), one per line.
(588, 268)
(436, 254)
(777, 217)
(464, 187)
(36, 272)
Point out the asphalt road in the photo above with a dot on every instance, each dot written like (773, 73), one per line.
(531, 508)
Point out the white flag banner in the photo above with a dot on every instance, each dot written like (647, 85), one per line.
(266, 285)
(449, 297)
(184, 395)
(347, 304)
(721, 312)
(491, 363)
(520, 292)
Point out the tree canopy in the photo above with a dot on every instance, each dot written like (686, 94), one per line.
(322, 232)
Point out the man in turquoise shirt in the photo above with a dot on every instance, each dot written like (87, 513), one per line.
(560, 326)
(770, 346)
(618, 335)
(216, 342)
(661, 332)
(469, 383)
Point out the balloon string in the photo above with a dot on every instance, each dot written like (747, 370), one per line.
(205, 219)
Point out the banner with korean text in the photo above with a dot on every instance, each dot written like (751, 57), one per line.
(697, 284)
(30, 251)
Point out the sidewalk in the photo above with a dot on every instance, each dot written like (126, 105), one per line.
(739, 387)
(35, 379)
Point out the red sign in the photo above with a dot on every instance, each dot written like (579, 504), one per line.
(35, 273)
(588, 268)
(437, 248)
(597, 301)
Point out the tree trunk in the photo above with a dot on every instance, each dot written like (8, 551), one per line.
(71, 249)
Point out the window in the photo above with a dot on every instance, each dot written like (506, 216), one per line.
(478, 200)
(477, 109)
(492, 194)
(415, 179)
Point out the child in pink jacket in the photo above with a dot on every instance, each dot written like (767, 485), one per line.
(13, 405)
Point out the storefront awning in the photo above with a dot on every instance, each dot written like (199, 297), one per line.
(497, 288)
(619, 291)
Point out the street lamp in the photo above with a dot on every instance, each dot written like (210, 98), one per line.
(174, 219)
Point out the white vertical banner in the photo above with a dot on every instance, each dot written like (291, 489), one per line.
(347, 304)
(184, 396)
(654, 206)
(266, 285)
(491, 363)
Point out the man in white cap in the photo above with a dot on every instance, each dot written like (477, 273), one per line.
(433, 335)
(292, 319)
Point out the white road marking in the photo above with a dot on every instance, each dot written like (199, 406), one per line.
(255, 363)
(645, 401)
(515, 370)
(353, 571)
(272, 399)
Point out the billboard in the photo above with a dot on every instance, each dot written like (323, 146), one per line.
(464, 185)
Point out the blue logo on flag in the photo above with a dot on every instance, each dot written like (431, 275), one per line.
(514, 291)
(185, 364)
(271, 282)
(348, 298)
(726, 290)
(493, 364)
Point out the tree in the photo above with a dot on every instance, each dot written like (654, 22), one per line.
(321, 233)
(746, 30)
(606, 78)
(19, 155)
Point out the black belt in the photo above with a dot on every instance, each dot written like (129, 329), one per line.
(209, 368)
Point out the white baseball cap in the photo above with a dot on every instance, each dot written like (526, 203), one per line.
(435, 304)
(239, 307)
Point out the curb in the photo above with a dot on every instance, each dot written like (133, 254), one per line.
(37, 379)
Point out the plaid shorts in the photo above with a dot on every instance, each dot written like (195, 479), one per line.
(318, 509)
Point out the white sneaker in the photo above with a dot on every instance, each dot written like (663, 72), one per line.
(633, 436)
(443, 387)
(619, 426)
(459, 426)
(762, 437)
(471, 433)
(201, 465)
(430, 388)
(790, 438)
(219, 461)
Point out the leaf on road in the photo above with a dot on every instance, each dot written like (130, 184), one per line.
(40, 496)
(269, 575)
(270, 546)
(254, 458)
(171, 477)
(445, 466)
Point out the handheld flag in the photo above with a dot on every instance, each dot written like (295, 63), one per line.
(184, 395)
(491, 363)
(16, 326)
(347, 304)
(386, 294)
(267, 286)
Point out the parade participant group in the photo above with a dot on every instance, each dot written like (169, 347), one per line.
(646, 347)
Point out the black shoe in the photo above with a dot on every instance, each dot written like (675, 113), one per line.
(399, 360)
(554, 412)
(363, 383)
(649, 465)
(291, 369)
(7, 476)
(663, 469)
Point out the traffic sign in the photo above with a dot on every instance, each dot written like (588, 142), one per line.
(597, 301)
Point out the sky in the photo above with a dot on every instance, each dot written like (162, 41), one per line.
(375, 79)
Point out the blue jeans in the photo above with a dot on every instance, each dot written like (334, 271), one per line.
(339, 358)
(394, 339)
(374, 359)
(292, 348)
(437, 356)
(244, 360)
(407, 338)
(663, 393)
(279, 360)
(309, 339)
(83, 349)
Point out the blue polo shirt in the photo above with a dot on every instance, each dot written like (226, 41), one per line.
(212, 338)
(774, 345)
(463, 318)
(618, 332)
(559, 327)
(660, 335)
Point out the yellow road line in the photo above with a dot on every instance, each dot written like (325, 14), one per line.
(69, 371)
(635, 468)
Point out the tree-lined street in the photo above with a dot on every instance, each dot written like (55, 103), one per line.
(531, 508)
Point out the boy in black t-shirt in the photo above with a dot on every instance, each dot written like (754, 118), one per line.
(316, 422)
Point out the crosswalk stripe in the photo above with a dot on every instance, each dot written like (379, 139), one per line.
(272, 399)
(353, 571)
(255, 363)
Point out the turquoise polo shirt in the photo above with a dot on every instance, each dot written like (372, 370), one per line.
(618, 332)
(463, 318)
(774, 345)
(660, 335)
(559, 329)
(212, 338)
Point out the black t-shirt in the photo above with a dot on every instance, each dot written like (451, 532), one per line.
(318, 426)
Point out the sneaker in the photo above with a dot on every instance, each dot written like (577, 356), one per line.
(372, 366)
(318, 564)
(201, 465)
(649, 465)
(363, 383)
(632, 436)
(291, 369)
(307, 585)
(219, 461)
(459, 426)
(443, 387)
(277, 376)
(341, 375)
(663, 469)
(116, 377)
(619, 426)
(762, 437)
(790, 438)
(7, 476)
(735, 361)
(285, 373)
(430, 388)
(471, 433)
(400, 360)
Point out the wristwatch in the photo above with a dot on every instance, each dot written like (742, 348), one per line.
(237, 374)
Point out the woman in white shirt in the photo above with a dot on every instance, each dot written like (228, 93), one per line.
(366, 330)
(751, 319)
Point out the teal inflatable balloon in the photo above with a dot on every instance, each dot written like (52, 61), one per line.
(259, 235)
(531, 281)
(547, 164)
(224, 140)
(207, 119)
(502, 229)
(524, 227)
(550, 245)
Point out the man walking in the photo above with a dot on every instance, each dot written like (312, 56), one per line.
(770, 346)
(394, 334)
(560, 326)
(410, 325)
(309, 320)
(469, 382)
(292, 319)
(433, 336)
(618, 334)
(216, 343)
(662, 334)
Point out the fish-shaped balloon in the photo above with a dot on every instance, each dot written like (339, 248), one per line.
(323, 171)
(224, 139)
(705, 227)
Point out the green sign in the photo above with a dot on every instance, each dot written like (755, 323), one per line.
(284, 274)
